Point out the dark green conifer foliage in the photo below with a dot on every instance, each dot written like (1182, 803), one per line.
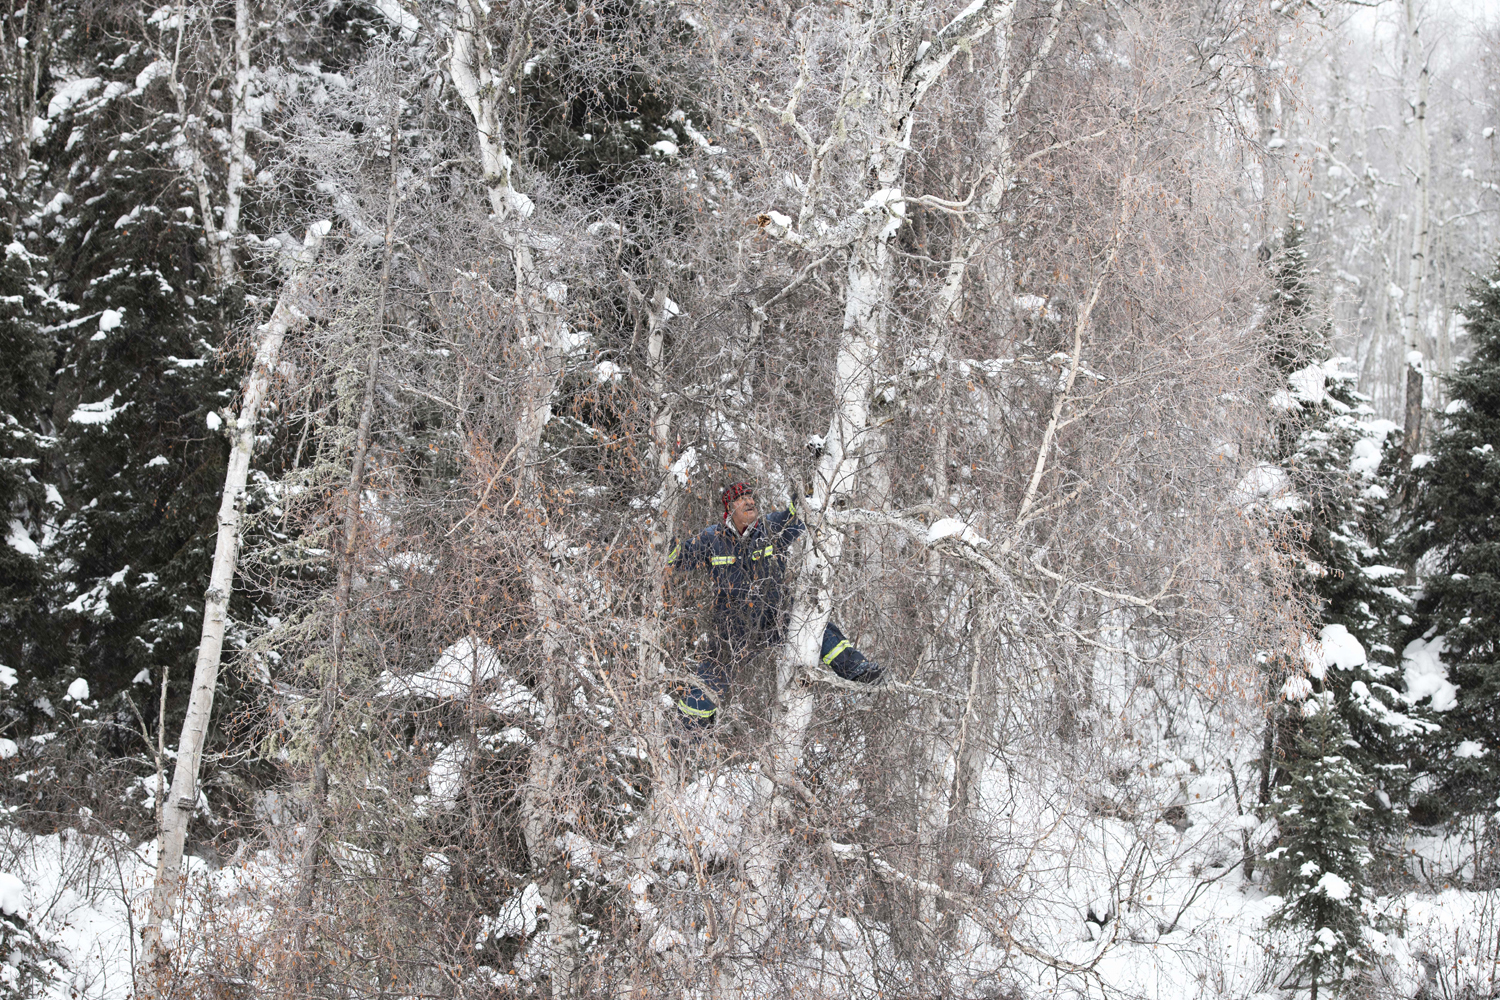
(608, 90)
(134, 374)
(1293, 332)
(1332, 449)
(1345, 527)
(1454, 526)
(24, 502)
(1318, 868)
(1287, 335)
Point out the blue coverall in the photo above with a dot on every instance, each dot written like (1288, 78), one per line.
(748, 616)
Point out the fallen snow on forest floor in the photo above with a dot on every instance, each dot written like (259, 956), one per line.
(1199, 933)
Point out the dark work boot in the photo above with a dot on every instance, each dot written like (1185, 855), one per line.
(840, 656)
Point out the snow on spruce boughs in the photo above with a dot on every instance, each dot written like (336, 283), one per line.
(1453, 527)
(136, 373)
(1341, 472)
(1318, 867)
(25, 506)
(1333, 449)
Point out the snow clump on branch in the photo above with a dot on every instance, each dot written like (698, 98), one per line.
(952, 527)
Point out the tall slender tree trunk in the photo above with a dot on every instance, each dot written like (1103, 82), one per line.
(1413, 320)
(901, 72)
(183, 797)
(955, 753)
(664, 523)
(238, 130)
(23, 65)
(811, 599)
(539, 303)
(220, 238)
(332, 684)
(836, 478)
(936, 779)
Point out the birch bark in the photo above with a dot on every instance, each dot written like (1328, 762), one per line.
(664, 524)
(184, 794)
(238, 129)
(1412, 319)
(902, 75)
(220, 236)
(25, 44)
(538, 305)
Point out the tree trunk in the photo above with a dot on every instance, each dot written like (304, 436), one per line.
(538, 304)
(23, 65)
(218, 240)
(238, 128)
(184, 794)
(664, 524)
(902, 74)
(937, 780)
(1412, 318)
(811, 603)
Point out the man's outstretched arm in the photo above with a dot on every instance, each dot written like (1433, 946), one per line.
(689, 554)
(785, 525)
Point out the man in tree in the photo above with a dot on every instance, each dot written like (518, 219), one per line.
(746, 557)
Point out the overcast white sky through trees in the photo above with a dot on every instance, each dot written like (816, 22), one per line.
(1454, 21)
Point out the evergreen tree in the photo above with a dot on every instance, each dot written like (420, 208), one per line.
(25, 504)
(1289, 336)
(1453, 526)
(1340, 469)
(1333, 450)
(136, 375)
(611, 93)
(1318, 867)
(1294, 335)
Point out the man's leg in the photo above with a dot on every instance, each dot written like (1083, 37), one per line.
(696, 704)
(840, 656)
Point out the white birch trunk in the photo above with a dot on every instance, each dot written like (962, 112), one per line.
(538, 306)
(936, 779)
(220, 236)
(183, 797)
(1412, 318)
(33, 23)
(949, 747)
(908, 73)
(238, 127)
(664, 523)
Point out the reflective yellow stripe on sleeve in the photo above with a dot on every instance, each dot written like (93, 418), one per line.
(697, 713)
(672, 556)
(833, 654)
(721, 560)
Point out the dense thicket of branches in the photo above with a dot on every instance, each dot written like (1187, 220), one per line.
(975, 288)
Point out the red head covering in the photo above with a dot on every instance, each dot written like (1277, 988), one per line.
(733, 492)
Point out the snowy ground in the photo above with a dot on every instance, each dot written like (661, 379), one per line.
(73, 892)
(1116, 871)
(1199, 932)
